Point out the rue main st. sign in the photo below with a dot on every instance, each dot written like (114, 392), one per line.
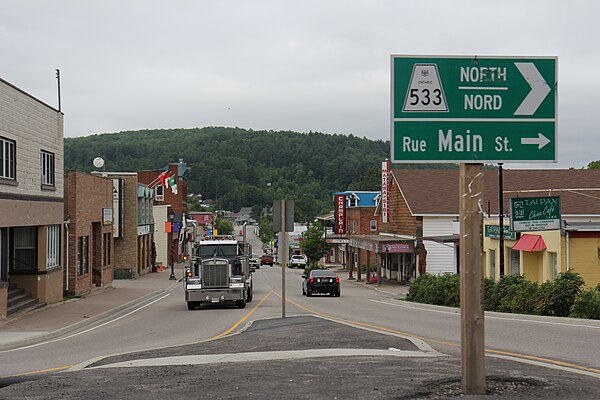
(474, 109)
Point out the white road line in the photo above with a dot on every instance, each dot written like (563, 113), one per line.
(262, 356)
(87, 330)
(490, 316)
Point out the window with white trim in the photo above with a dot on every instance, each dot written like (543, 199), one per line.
(352, 201)
(159, 193)
(47, 165)
(53, 246)
(7, 158)
(373, 224)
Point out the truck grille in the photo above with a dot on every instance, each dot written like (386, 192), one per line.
(215, 273)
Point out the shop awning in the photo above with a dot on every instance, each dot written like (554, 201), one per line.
(529, 242)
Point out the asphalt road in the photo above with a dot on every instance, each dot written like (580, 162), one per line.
(568, 346)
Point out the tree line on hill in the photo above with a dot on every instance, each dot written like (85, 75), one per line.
(240, 167)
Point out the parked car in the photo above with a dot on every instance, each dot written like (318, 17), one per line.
(266, 259)
(254, 264)
(321, 281)
(298, 261)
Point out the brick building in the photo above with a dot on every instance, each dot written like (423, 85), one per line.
(133, 225)
(31, 199)
(175, 200)
(89, 249)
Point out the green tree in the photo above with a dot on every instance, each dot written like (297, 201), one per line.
(594, 165)
(224, 227)
(314, 245)
(265, 228)
(256, 212)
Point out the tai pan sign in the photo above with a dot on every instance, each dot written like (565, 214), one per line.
(474, 109)
(535, 213)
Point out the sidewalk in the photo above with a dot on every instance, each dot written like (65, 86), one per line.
(388, 286)
(59, 318)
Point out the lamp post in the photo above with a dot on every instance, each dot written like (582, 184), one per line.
(172, 276)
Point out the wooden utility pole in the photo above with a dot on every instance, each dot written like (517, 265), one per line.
(471, 279)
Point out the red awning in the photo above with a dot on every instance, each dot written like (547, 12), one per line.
(530, 243)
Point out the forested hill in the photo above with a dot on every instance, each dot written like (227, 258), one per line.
(234, 166)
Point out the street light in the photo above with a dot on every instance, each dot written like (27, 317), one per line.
(172, 276)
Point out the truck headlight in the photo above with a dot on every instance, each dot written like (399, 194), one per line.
(236, 283)
(193, 283)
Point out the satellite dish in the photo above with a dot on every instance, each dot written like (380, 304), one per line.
(98, 162)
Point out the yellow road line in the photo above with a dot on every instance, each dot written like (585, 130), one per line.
(228, 331)
(516, 355)
(546, 360)
(41, 371)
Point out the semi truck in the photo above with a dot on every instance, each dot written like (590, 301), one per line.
(218, 272)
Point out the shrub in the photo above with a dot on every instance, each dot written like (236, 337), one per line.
(556, 298)
(443, 290)
(517, 294)
(491, 290)
(587, 304)
(420, 289)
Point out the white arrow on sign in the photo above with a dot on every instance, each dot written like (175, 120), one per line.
(541, 140)
(539, 89)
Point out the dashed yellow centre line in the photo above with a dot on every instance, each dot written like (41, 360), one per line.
(41, 371)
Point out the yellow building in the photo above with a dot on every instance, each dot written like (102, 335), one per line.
(540, 256)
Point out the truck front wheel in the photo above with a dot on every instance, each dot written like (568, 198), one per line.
(191, 305)
(240, 303)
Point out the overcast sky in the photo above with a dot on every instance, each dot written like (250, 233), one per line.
(320, 65)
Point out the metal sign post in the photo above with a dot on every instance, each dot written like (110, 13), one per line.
(283, 222)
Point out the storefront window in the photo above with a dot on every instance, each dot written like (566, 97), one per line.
(515, 262)
(554, 264)
(82, 255)
(493, 263)
(25, 247)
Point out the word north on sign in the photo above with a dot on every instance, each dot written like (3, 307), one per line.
(474, 109)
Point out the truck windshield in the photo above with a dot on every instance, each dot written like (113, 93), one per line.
(217, 250)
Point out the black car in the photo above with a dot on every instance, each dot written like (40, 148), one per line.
(321, 281)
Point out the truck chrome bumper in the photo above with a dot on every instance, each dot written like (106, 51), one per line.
(214, 295)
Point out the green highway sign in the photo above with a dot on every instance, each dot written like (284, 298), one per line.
(535, 213)
(474, 109)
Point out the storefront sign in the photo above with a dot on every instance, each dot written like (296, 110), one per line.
(145, 229)
(117, 207)
(107, 216)
(493, 231)
(396, 248)
(337, 241)
(340, 214)
(535, 213)
(385, 205)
